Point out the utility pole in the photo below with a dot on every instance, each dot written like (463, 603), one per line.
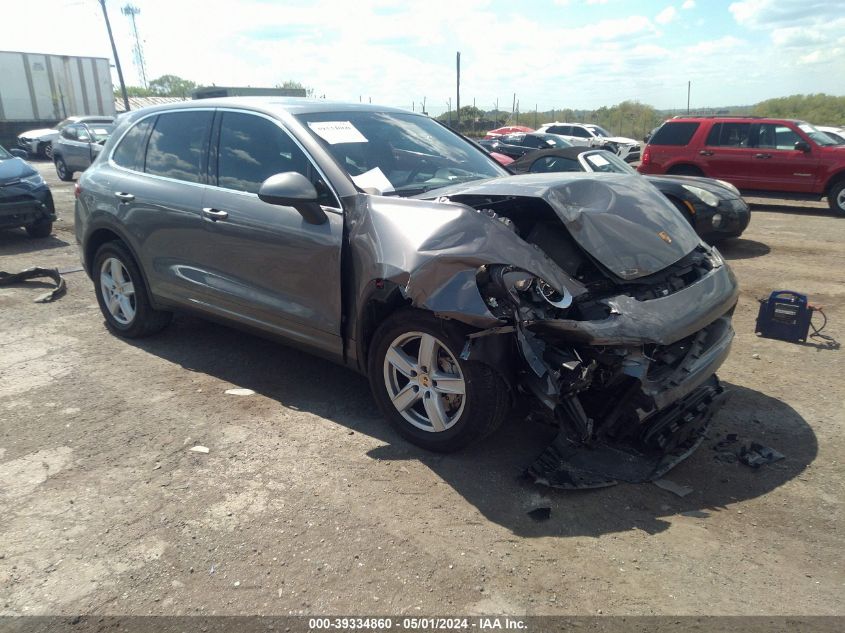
(458, 86)
(689, 88)
(423, 107)
(513, 107)
(116, 58)
(535, 116)
(132, 11)
(449, 110)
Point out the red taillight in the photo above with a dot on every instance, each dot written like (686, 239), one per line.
(77, 190)
(646, 157)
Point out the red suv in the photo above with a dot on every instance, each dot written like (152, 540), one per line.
(762, 157)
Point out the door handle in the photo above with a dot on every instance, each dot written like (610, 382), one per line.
(124, 197)
(762, 155)
(214, 214)
(706, 152)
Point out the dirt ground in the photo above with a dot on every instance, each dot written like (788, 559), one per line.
(307, 502)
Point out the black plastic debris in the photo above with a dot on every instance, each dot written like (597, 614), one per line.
(8, 279)
(540, 514)
(756, 455)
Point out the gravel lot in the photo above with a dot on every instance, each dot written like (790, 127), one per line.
(307, 502)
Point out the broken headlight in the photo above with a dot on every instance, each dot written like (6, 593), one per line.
(502, 285)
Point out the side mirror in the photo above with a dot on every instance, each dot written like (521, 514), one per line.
(802, 146)
(18, 153)
(292, 189)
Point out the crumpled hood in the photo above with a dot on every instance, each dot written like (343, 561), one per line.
(43, 134)
(619, 219)
(622, 140)
(13, 169)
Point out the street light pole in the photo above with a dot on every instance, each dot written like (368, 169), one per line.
(116, 58)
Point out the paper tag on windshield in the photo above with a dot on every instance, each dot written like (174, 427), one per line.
(335, 132)
(600, 161)
(373, 179)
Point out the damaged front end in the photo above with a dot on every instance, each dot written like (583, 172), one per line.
(617, 314)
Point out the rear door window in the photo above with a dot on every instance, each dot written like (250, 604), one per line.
(178, 145)
(729, 135)
(130, 152)
(580, 132)
(674, 133)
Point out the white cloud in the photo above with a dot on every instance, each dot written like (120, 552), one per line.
(667, 15)
(688, 4)
(399, 52)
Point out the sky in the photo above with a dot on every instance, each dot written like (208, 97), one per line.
(579, 54)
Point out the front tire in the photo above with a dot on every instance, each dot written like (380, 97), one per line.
(62, 170)
(427, 392)
(836, 198)
(39, 229)
(122, 294)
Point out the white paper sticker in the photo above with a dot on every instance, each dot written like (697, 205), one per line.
(335, 132)
(599, 161)
(375, 179)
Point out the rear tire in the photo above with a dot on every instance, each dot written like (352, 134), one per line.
(122, 293)
(685, 170)
(62, 169)
(836, 198)
(442, 407)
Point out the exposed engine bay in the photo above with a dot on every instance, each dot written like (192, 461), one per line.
(591, 297)
(627, 412)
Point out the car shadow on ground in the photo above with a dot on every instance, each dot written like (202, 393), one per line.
(17, 242)
(786, 207)
(741, 248)
(490, 474)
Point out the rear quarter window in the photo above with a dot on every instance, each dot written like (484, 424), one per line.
(130, 151)
(674, 133)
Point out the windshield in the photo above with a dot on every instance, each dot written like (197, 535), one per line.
(63, 124)
(398, 153)
(599, 131)
(817, 135)
(4, 155)
(605, 162)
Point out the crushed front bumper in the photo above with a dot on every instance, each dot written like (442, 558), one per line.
(20, 207)
(672, 435)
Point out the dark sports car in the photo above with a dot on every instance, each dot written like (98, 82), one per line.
(519, 144)
(713, 207)
(25, 199)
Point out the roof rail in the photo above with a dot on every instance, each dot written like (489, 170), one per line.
(721, 116)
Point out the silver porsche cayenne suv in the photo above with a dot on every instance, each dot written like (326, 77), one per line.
(383, 240)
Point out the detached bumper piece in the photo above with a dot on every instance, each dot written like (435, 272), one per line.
(8, 279)
(667, 438)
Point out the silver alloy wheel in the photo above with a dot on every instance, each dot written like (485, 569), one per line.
(424, 381)
(61, 168)
(840, 199)
(118, 290)
(48, 150)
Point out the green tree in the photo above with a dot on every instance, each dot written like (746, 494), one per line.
(134, 91)
(821, 109)
(172, 86)
(296, 85)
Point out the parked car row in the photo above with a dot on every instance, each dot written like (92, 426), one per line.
(769, 157)
(590, 135)
(40, 142)
(518, 144)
